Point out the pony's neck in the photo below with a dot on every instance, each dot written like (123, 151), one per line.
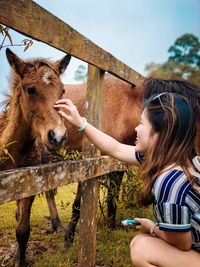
(15, 129)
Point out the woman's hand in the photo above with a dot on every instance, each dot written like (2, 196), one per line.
(181, 240)
(145, 225)
(72, 115)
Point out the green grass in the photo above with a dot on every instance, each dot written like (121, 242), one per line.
(46, 248)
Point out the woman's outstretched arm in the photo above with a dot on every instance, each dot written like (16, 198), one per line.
(104, 142)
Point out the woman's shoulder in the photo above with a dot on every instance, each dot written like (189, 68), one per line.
(170, 184)
(174, 172)
(173, 176)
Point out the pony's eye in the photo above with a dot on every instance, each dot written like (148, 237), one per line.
(31, 90)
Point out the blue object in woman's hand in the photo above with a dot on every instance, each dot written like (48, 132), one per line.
(130, 222)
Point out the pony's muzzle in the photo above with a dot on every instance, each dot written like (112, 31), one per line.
(55, 139)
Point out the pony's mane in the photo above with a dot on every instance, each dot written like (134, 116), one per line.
(38, 62)
(4, 106)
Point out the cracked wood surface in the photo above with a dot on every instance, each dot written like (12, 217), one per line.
(24, 182)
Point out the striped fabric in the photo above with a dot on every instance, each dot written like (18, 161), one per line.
(139, 156)
(176, 206)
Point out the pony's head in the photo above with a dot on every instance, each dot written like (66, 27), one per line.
(37, 86)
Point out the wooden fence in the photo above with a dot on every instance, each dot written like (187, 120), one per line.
(30, 19)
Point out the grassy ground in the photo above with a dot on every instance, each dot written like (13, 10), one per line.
(45, 249)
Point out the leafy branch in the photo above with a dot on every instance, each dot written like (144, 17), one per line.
(5, 32)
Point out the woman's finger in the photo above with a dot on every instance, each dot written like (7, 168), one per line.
(63, 114)
(64, 106)
(64, 101)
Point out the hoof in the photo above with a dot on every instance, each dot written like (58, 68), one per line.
(54, 230)
(56, 225)
(68, 241)
(60, 229)
(67, 245)
(64, 249)
(17, 261)
(20, 264)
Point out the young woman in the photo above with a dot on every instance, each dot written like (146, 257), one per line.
(164, 149)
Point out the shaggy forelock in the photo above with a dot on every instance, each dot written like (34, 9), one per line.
(46, 77)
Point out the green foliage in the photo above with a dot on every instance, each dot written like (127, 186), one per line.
(130, 186)
(183, 61)
(63, 154)
(105, 182)
(80, 74)
(125, 199)
(186, 50)
(5, 154)
(173, 70)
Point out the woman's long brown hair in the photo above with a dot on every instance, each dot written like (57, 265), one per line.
(175, 119)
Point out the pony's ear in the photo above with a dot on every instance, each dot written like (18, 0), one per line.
(15, 62)
(62, 64)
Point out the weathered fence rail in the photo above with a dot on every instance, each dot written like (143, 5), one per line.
(24, 182)
(32, 20)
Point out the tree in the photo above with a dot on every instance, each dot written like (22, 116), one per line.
(183, 61)
(186, 50)
(80, 74)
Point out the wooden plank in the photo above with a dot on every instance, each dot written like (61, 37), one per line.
(94, 99)
(88, 223)
(90, 188)
(25, 182)
(34, 21)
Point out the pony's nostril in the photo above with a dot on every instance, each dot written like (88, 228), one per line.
(55, 140)
(52, 137)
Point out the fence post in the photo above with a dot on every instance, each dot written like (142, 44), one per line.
(89, 198)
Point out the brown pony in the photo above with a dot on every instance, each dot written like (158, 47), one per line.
(32, 121)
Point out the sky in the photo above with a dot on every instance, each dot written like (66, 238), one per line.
(137, 32)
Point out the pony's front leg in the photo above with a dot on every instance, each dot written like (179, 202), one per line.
(113, 194)
(70, 232)
(55, 220)
(23, 229)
